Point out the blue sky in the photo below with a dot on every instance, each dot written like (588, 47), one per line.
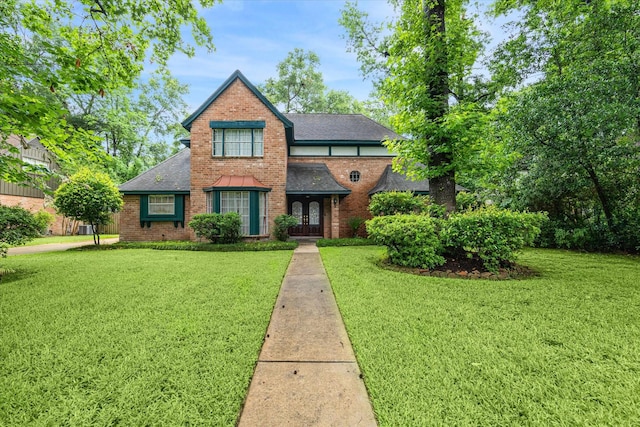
(253, 36)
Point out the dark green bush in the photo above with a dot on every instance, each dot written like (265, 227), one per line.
(397, 202)
(411, 240)
(196, 246)
(493, 234)
(17, 227)
(218, 228)
(282, 225)
(355, 241)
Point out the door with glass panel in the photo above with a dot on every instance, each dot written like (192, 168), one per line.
(308, 212)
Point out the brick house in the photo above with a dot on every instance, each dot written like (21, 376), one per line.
(29, 196)
(245, 156)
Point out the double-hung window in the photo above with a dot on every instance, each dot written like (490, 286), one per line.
(236, 201)
(238, 142)
(161, 204)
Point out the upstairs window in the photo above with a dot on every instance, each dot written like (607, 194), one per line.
(238, 143)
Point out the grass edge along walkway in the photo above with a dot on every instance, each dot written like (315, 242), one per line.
(562, 348)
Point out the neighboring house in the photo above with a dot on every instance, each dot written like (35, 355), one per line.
(245, 156)
(29, 196)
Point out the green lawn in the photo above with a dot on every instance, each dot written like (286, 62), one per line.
(562, 348)
(66, 239)
(132, 337)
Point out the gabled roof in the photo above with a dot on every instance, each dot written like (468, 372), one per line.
(312, 178)
(171, 176)
(338, 128)
(394, 181)
(237, 75)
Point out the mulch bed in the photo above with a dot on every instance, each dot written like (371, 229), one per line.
(466, 268)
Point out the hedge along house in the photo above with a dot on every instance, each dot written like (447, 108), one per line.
(245, 156)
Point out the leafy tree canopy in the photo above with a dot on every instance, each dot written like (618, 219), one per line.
(135, 126)
(575, 128)
(421, 63)
(54, 48)
(300, 88)
(90, 197)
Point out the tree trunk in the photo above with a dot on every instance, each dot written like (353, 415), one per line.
(602, 196)
(442, 188)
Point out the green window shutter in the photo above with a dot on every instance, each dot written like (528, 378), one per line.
(144, 206)
(216, 202)
(179, 208)
(254, 213)
(144, 210)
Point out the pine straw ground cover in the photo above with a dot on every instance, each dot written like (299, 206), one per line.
(135, 337)
(558, 348)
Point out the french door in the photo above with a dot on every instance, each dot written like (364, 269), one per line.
(308, 211)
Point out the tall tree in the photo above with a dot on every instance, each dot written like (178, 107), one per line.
(300, 88)
(421, 64)
(136, 125)
(49, 47)
(577, 126)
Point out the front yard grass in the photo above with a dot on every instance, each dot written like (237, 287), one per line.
(562, 348)
(136, 337)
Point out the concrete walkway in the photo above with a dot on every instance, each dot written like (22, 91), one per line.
(307, 374)
(55, 247)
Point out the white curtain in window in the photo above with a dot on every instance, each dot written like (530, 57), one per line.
(258, 143)
(161, 205)
(264, 223)
(236, 201)
(237, 142)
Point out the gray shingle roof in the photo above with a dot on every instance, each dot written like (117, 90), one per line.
(312, 178)
(173, 175)
(394, 181)
(338, 127)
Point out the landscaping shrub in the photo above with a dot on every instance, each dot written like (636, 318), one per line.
(396, 202)
(17, 227)
(411, 240)
(355, 241)
(493, 234)
(354, 224)
(218, 228)
(44, 219)
(197, 246)
(466, 201)
(282, 225)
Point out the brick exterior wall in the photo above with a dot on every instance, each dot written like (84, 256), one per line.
(33, 205)
(130, 230)
(239, 103)
(236, 103)
(356, 203)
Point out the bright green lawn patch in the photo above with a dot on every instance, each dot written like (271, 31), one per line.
(134, 337)
(559, 349)
(67, 239)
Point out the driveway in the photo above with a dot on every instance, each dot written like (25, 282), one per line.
(53, 247)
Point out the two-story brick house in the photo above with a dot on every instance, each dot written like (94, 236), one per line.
(245, 156)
